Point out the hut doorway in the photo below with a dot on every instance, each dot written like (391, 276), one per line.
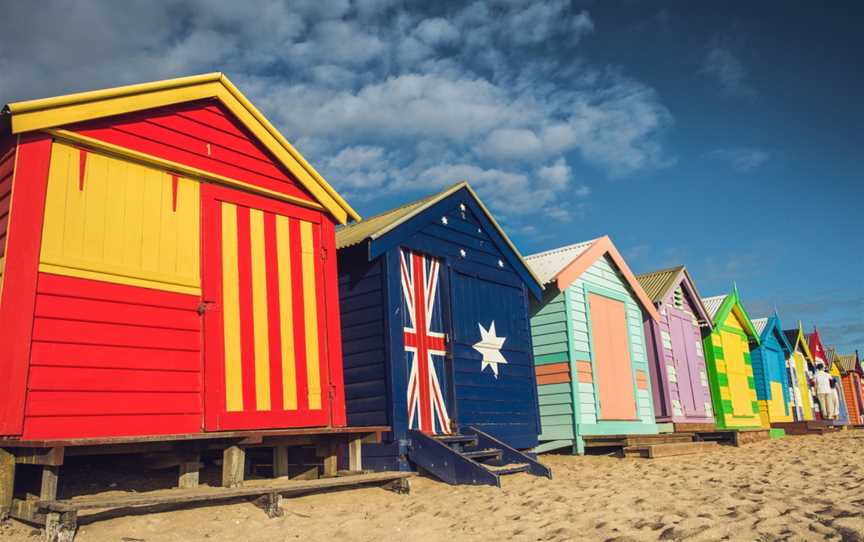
(425, 338)
(736, 367)
(617, 399)
(264, 315)
(686, 362)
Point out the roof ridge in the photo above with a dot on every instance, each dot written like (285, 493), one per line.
(560, 249)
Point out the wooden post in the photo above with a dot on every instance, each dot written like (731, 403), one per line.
(330, 458)
(189, 472)
(280, 461)
(7, 482)
(233, 466)
(355, 454)
(50, 477)
(61, 527)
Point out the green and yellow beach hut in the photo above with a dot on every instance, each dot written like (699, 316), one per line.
(727, 358)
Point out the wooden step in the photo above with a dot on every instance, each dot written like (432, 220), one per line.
(617, 441)
(668, 450)
(469, 440)
(479, 455)
(694, 427)
(501, 470)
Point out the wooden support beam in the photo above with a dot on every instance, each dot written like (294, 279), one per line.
(355, 454)
(280, 461)
(7, 482)
(328, 452)
(50, 479)
(189, 472)
(271, 503)
(40, 456)
(233, 466)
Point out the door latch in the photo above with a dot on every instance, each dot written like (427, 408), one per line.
(203, 307)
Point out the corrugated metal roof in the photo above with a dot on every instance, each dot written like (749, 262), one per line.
(712, 304)
(657, 283)
(759, 324)
(548, 264)
(847, 363)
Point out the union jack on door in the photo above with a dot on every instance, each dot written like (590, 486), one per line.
(425, 343)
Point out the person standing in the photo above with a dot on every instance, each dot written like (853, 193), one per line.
(825, 393)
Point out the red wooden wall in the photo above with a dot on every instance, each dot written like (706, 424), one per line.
(108, 359)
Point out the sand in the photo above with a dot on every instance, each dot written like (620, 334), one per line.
(797, 488)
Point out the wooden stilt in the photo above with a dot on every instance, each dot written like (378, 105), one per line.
(61, 526)
(50, 478)
(271, 503)
(328, 452)
(189, 472)
(280, 461)
(7, 482)
(355, 454)
(233, 466)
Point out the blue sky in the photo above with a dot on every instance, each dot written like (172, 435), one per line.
(725, 136)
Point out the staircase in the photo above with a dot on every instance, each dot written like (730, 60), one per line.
(470, 457)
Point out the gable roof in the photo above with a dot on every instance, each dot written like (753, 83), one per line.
(797, 339)
(50, 114)
(564, 265)
(658, 285)
(377, 227)
(771, 324)
(846, 362)
(720, 306)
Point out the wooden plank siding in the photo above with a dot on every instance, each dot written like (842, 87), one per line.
(364, 351)
(202, 135)
(111, 360)
(7, 166)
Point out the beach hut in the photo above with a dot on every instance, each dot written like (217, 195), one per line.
(770, 371)
(436, 342)
(674, 342)
(168, 273)
(851, 383)
(823, 356)
(800, 367)
(591, 359)
(727, 357)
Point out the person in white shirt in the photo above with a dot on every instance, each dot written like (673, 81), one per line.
(825, 393)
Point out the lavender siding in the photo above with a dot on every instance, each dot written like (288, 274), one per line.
(681, 393)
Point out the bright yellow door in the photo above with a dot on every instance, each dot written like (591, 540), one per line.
(736, 370)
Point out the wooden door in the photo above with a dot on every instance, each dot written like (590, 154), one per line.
(266, 357)
(690, 387)
(736, 370)
(425, 340)
(612, 364)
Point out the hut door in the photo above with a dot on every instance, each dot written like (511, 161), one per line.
(265, 337)
(425, 340)
(686, 365)
(612, 366)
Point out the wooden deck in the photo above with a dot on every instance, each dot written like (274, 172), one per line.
(623, 441)
(735, 437)
(815, 427)
(670, 449)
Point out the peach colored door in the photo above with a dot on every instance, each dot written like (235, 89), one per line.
(612, 358)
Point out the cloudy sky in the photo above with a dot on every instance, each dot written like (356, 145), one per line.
(725, 136)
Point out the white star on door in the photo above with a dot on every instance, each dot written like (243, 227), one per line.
(490, 347)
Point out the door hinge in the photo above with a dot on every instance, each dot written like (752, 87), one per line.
(203, 307)
(323, 253)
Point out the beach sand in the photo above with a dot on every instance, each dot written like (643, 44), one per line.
(797, 488)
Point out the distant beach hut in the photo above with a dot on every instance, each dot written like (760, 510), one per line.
(851, 383)
(674, 343)
(800, 367)
(589, 346)
(770, 371)
(436, 339)
(727, 357)
(821, 356)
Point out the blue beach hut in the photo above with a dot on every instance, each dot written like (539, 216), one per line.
(436, 339)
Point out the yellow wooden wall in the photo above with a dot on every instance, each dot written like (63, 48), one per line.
(119, 225)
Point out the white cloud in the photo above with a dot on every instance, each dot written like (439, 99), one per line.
(742, 159)
(380, 96)
(721, 65)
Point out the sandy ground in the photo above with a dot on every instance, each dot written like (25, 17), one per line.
(797, 488)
